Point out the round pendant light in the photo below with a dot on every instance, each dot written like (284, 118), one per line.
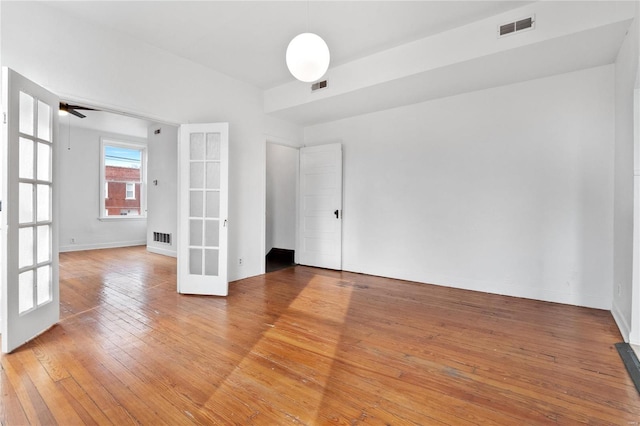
(308, 57)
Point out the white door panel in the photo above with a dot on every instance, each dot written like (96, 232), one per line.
(321, 206)
(203, 198)
(28, 225)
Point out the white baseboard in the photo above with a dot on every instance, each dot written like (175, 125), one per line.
(513, 289)
(636, 349)
(621, 322)
(97, 246)
(164, 252)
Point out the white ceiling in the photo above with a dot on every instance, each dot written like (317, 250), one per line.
(586, 49)
(261, 30)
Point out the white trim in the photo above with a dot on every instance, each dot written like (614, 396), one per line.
(116, 109)
(117, 244)
(263, 220)
(636, 349)
(633, 332)
(622, 324)
(297, 246)
(277, 140)
(504, 288)
(634, 329)
(123, 217)
(164, 252)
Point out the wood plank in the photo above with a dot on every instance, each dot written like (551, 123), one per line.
(11, 411)
(34, 407)
(56, 402)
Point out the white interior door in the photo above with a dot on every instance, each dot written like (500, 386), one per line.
(29, 247)
(321, 206)
(203, 197)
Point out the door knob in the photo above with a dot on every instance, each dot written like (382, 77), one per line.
(337, 213)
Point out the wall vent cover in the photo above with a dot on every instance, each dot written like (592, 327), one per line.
(523, 24)
(160, 237)
(319, 85)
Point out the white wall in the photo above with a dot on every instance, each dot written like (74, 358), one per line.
(162, 199)
(79, 190)
(507, 190)
(625, 80)
(282, 174)
(112, 70)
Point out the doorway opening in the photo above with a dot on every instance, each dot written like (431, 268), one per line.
(95, 171)
(71, 183)
(281, 206)
(98, 174)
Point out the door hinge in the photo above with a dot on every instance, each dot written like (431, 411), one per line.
(4, 120)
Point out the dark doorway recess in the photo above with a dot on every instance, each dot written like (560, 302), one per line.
(279, 259)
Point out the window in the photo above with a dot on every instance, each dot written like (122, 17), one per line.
(122, 173)
(130, 191)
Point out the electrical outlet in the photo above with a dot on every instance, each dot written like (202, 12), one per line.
(240, 261)
(73, 241)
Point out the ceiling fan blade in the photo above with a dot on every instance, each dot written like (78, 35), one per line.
(80, 107)
(72, 109)
(74, 112)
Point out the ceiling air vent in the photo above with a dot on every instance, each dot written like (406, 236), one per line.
(319, 85)
(516, 26)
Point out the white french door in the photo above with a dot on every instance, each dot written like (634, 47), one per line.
(321, 206)
(203, 197)
(28, 249)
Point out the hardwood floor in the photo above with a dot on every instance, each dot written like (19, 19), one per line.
(308, 346)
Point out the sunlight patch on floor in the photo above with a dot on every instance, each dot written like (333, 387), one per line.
(293, 355)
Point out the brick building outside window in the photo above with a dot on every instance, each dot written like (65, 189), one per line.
(122, 179)
(122, 191)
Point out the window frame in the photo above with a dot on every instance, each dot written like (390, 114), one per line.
(128, 144)
(133, 191)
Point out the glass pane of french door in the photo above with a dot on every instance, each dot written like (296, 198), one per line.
(34, 200)
(204, 190)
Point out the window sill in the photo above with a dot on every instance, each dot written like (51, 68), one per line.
(118, 218)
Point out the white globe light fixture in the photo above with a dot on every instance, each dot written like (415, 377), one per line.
(308, 57)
